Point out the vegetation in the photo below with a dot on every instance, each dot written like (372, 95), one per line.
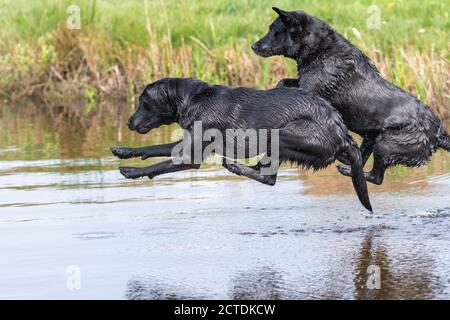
(123, 44)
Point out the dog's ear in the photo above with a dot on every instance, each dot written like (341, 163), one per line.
(302, 18)
(285, 16)
(293, 18)
(278, 10)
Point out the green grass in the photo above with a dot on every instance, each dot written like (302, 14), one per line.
(194, 38)
(224, 22)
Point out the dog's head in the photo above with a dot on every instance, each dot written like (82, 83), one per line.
(154, 108)
(291, 33)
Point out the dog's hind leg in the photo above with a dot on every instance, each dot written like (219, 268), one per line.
(366, 148)
(156, 169)
(250, 172)
(375, 176)
(163, 150)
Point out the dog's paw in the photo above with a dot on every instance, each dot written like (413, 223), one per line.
(130, 172)
(123, 153)
(344, 170)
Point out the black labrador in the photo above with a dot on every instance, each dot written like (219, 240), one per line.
(396, 127)
(308, 130)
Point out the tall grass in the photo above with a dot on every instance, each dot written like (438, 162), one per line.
(124, 44)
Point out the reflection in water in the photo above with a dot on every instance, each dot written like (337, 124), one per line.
(260, 284)
(407, 277)
(138, 289)
(68, 132)
(411, 277)
(36, 132)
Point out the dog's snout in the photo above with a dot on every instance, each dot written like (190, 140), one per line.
(265, 47)
(131, 124)
(260, 47)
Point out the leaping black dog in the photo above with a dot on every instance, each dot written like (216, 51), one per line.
(395, 126)
(310, 132)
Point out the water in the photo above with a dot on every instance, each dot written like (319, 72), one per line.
(66, 211)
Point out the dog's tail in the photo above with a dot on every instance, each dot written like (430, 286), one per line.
(358, 179)
(444, 140)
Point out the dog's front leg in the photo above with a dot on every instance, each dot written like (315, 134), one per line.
(162, 150)
(156, 169)
(287, 83)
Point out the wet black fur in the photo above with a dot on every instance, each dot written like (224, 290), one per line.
(395, 126)
(311, 132)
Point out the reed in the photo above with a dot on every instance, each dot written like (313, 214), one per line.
(124, 44)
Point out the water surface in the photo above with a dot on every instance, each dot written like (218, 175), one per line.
(206, 233)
